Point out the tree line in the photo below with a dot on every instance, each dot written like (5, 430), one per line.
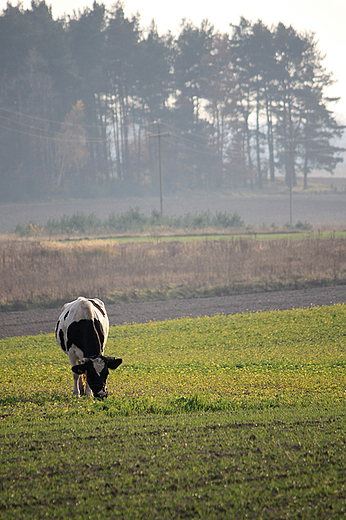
(92, 103)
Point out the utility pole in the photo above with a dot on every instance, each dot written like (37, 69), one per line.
(159, 135)
(291, 180)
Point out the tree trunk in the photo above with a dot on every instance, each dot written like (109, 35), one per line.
(305, 171)
(270, 138)
(258, 154)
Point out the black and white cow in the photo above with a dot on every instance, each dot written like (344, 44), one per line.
(82, 332)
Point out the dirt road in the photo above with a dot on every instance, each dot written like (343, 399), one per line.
(22, 323)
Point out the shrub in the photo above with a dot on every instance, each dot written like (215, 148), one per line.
(31, 229)
(303, 225)
(132, 220)
(225, 220)
(79, 223)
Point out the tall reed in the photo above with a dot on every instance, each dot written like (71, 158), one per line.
(43, 271)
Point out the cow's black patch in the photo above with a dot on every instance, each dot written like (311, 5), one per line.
(95, 304)
(87, 335)
(99, 329)
(66, 315)
(57, 326)
(62, 341)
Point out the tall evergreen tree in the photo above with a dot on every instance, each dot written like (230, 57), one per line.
(233, 103)
(217, 88)
(243, 93)
(193, 47)
(192, 56)
(290, 77)
(304, 124)
(35, 85)
(122, 49)
(152, 92)
(86, 37)
(154, 79)
(264, 76)
(319, 128)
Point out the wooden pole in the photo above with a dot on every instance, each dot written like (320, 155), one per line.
(159, 135)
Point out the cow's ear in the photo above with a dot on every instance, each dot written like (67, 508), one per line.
(113, 363)
(80, 369)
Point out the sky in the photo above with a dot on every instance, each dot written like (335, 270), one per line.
(326, 18)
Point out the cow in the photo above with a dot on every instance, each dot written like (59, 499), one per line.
(82, 331)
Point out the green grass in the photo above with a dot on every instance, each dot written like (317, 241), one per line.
(225, 417)
(190, 237)
(276, 464)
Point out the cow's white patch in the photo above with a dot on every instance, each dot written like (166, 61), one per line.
(98, 365)
(76, 355)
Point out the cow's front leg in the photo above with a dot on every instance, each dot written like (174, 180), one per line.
(88, 391)
(78, 388)
(75, 356)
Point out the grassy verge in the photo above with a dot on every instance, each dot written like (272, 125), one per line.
(131, 221)
(134, 222)
(224, 417)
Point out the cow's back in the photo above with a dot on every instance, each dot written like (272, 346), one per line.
(83, 323)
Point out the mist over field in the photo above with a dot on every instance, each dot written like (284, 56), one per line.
(317, 207)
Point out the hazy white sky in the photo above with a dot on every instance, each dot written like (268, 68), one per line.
(327, 18)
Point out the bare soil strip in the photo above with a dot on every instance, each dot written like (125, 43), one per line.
(42, 321)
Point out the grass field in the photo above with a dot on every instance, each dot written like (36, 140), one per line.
(227, 417)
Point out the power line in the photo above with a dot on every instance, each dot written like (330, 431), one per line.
(43, 120)
(62, 138)
(43, 133)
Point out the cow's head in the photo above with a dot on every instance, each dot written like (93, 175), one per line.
(96, 370)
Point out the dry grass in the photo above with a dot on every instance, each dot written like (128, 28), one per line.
(41, 272)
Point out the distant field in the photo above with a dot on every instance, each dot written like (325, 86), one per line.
(323, 204)
(226, 417)
(42, 272)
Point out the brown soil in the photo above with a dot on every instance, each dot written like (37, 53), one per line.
(32, 322)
